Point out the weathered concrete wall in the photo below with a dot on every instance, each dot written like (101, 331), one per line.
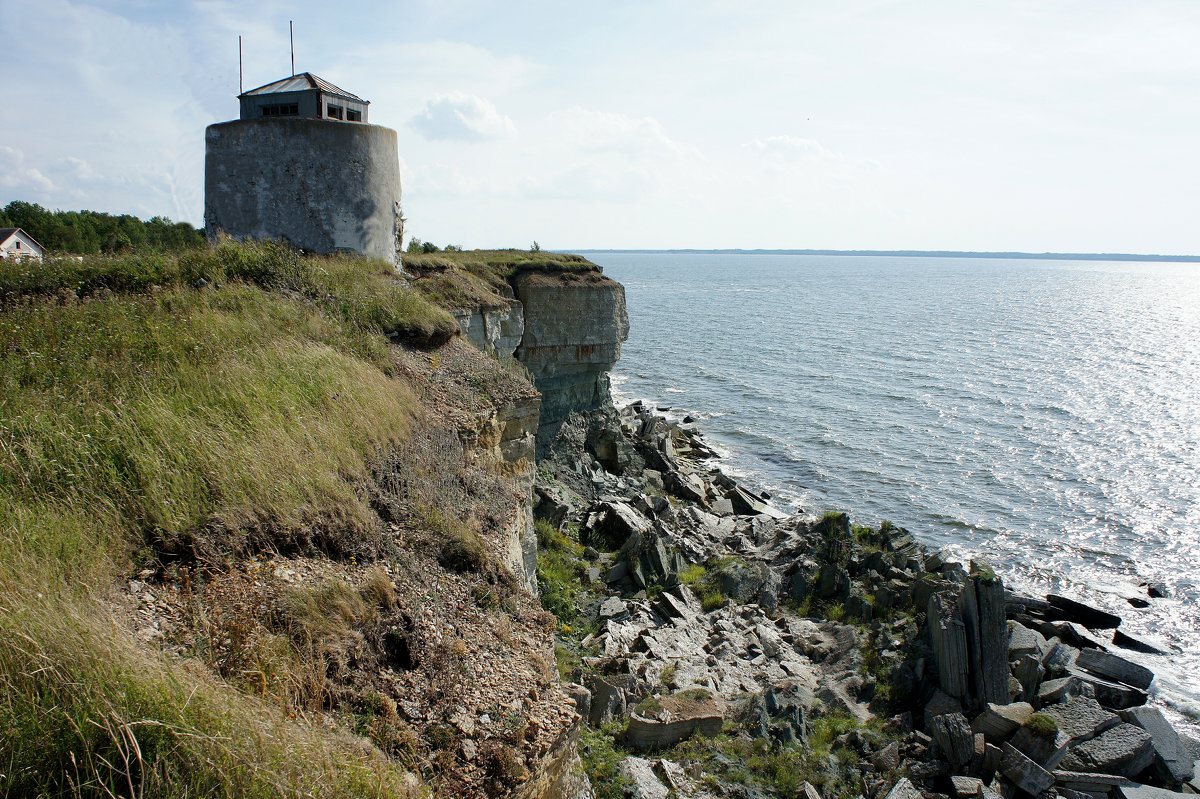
(322, 185)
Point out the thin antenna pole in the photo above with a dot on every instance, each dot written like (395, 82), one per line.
(240, 87)
(292, 37)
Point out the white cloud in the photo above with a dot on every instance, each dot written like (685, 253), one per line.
(591, 182)
(791, 147)
(602, 131)
(458, 116)
(14, 174)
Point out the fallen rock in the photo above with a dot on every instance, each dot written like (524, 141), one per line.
(904, 789)
(641, 781)
(1024, 641)
(1023, 772)
(675, 718)
(1126, 641)
(1174, 764)
(1124, 750)
(1115, 667)
(1088, 616)
(1136, 791)
(967, 786)
(953, 735)
(1110, 694)
(997, 722)
(1061, 690)
(1090, 783)
(609, 524)
(1081, 719)
(1045, 750)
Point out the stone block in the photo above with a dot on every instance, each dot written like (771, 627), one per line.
(1081, 719)
(1062, 689)
(1024, 641)
(997, 722)
(1045, 750)
(967, 786)
(1028, 671)
(1111, 694)
(640, 780)
(1124, 750)
(1114, 667)
(1172, 761)
(1023, 772)
(953, 735)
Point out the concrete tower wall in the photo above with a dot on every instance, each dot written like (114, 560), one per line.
(324, 186)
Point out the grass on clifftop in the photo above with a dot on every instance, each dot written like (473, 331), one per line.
(464, 279)
(141, 416)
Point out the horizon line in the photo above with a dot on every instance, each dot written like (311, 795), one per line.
(999, 254)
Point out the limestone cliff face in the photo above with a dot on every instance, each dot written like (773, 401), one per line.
(575, 324)
(503, 439)
(497, 328)
(566, 327)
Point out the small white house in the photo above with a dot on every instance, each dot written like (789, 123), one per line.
(19, 245)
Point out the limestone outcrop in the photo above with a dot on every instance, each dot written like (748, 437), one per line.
(575, 324)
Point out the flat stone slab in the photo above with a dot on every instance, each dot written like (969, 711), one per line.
(1023, 772)
(1170, 756)
(1125, 750)
(1111, 694)
(1115, 667)
(1126, 641)
(1145, 792)
(997, 722)
(1081, 719)
(1088, 616)
(1104, 781)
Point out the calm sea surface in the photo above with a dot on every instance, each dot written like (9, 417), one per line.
(1042, 414)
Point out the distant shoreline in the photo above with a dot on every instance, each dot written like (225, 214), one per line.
(1017, 256)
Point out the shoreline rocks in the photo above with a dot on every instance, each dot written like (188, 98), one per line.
(786, 618)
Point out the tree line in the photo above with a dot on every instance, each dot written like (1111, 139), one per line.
(94, 232)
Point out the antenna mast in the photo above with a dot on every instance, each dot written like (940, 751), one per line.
(292, 38)
(240, 87)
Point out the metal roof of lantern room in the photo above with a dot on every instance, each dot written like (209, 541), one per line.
(303, 82)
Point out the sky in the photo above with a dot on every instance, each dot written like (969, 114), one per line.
(1034, 125)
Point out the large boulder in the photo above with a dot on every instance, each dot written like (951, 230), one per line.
(608, 525)
(640, 780)
(997, 722)
(1114, 667)
(1081, 719)
(1171, 760)
(1125, 750)
(667, 721)
(1023, 772)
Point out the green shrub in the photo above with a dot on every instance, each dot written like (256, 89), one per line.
(601, 761)
(1042, 725)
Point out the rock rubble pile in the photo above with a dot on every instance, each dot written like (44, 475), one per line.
(709, 612)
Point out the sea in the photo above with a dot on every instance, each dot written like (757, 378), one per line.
(1041, 415)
